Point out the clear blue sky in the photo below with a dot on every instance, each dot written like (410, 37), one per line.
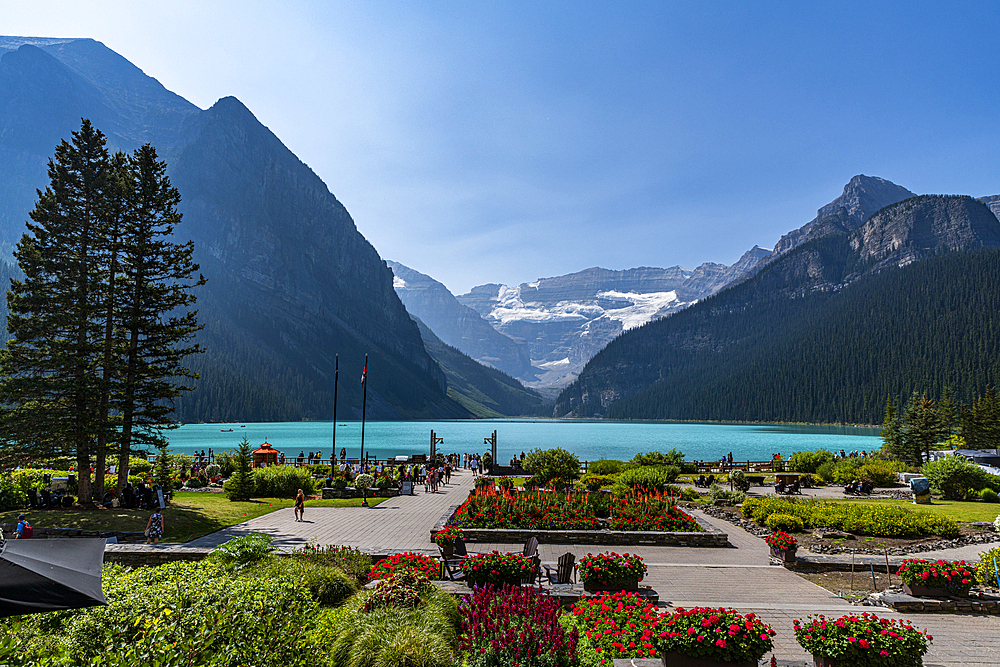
(502, 142)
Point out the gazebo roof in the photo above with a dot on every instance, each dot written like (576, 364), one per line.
(265, 448)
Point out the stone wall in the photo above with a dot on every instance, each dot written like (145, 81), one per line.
(44, 532)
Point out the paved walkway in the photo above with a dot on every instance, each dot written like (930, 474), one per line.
(739, 576)
(402, 523)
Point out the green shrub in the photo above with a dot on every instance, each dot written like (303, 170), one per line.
(11, 497)
(595, 482)
(363, 481)
(672, 458)
(600, 503)
(989, 495)
(355, 563)
(221, 617)
(242, 551)
(880, 472)
(213, 469)
(716, 492)
(388, 636)
(282, 482)
(786, 522)
(329, 586)
(739, 481)
(953, 476)
(648, 478)
(194, 483)
(986, 572)
(227, 463)
(825, 472)
(809, 461)
(605, 467)
(877, 520)
(552, 464)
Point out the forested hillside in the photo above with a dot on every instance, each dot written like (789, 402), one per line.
(485, 392)
(824, 334)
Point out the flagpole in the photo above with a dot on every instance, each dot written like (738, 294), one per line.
(364, 405)
(336, 375)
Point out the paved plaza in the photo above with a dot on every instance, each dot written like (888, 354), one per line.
(740, 576)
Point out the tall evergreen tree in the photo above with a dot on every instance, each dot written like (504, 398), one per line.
(157, 275)
(981, 422)
(892, 432)
(922, 429)
(50, 368)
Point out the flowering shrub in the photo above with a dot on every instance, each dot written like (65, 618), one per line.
(864, 640)
(363, 481)
(515, 626)
(622, 625)
(505, 483)
(604, 567)
(782, 541)
(446, 537)
(549, 510)
(497, 568)
(715, 634)
(401, 590)
(986, 571)
(953, 576)
(483, 482)
(352, 561)
(396, 563)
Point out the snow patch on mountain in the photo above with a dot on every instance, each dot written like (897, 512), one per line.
(398, 283)
(643, 309)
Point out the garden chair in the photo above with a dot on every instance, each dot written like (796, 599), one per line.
(33, 500)
(531, 547)
(453, 563)
(565, 567)
(47, 501)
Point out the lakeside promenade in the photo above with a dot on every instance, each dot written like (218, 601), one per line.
(739, 576)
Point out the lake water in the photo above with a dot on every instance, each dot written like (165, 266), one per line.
(589, 440)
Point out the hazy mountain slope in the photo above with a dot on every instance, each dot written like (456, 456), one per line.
(483, 391)
(291, 280)
(455, 324)
(822, 333)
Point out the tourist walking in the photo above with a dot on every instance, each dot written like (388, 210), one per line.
(23, 530)
(154, 527)
(474, 465)
(300, 505)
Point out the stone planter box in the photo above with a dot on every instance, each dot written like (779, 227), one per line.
(711, 537)
(613, 586)
(784, 555)
(918, 591)
(674, 659)
(346, 492)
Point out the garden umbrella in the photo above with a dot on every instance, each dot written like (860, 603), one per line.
(45, 575)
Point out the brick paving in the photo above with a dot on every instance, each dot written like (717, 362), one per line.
(739, 576)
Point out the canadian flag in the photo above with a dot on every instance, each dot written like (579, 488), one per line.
(364, 373)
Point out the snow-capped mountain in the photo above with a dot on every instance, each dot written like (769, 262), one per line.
(564, 321)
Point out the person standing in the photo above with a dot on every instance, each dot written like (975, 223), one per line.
(300, 505)
(343, 454)
(154, 527)
(474, 465)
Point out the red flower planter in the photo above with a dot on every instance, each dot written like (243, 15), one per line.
(612, 585)
(784, 555)
(675, 659)
(918, 591)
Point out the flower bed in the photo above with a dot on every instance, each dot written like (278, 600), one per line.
(498, 568)
(515, 626)
(622, 625)
(610, 568)
(493, 508)
(425, 565)
(715, 634)
(954, 578)
(445, 538)
(863, 640)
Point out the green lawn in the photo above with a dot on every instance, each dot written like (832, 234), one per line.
(957, 510)
(191, 514)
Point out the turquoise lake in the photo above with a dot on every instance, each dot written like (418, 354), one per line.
(589, 440)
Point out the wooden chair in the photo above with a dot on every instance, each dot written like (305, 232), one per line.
(564, 569)
(531, 547)
(453, 564)
(33, 499)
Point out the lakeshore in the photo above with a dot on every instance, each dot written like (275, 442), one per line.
(590, 440)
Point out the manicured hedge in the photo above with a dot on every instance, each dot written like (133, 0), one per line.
(864, 519)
